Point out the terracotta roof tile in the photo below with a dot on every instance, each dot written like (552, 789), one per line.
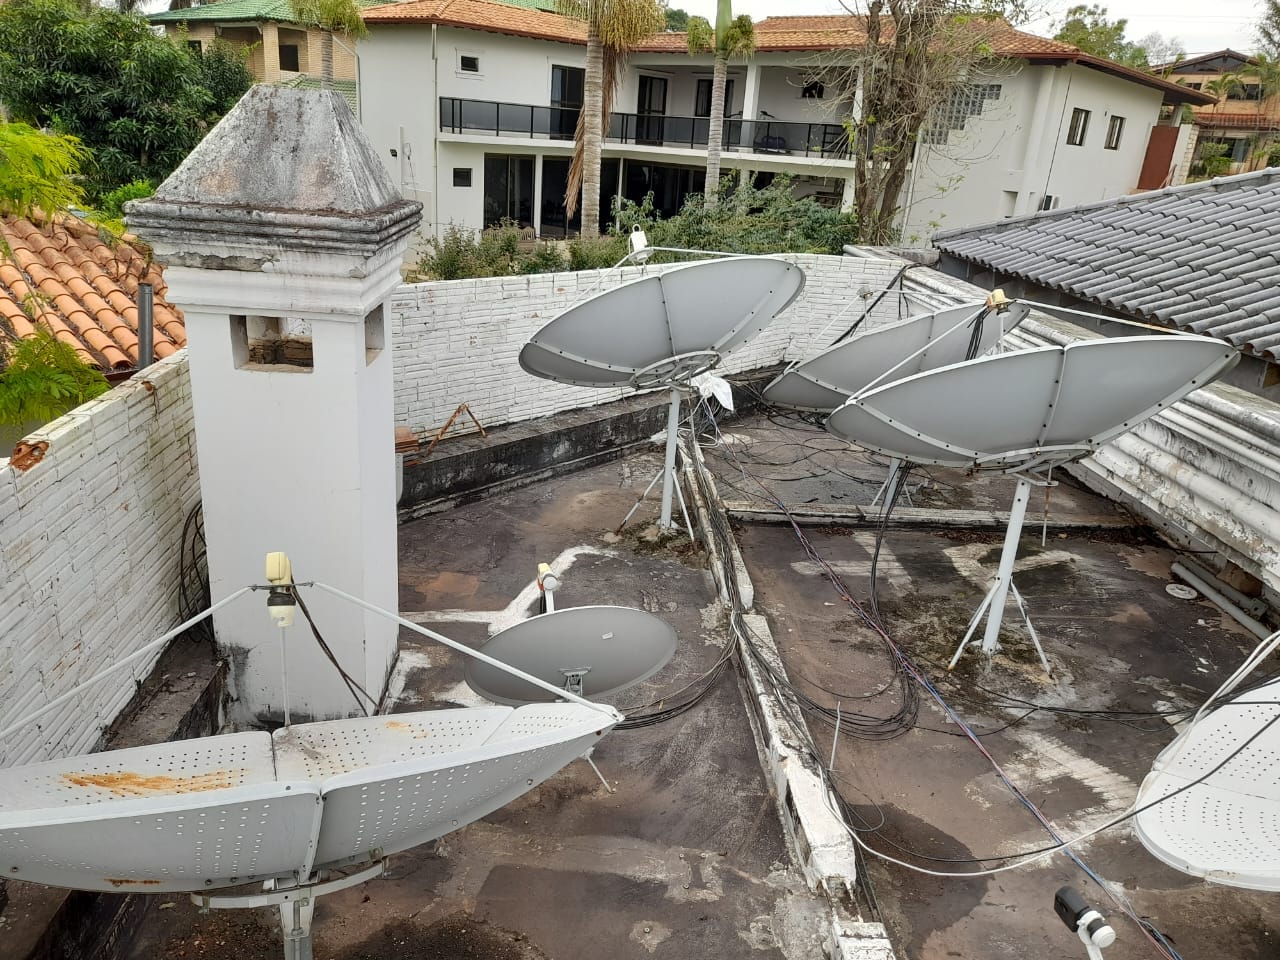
(60, 275)
(482, 15)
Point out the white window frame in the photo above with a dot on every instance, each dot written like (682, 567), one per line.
(478, 73)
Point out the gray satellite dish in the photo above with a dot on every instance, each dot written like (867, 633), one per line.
(662, 331)
(1027, 411)
(1226, 828)
(590, 651)
(665, 328)
(915, 345)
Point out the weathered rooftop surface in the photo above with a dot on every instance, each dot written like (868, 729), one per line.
(1116, 642)
(1204, 257)
(686, 859)
(66, 276)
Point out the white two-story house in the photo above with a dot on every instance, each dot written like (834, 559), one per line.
(473, 105)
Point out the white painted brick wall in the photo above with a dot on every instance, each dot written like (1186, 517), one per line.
(89, 541)
(457, 341)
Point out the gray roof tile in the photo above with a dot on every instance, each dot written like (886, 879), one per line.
(1205, 257)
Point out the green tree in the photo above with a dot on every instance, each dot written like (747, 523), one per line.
(614, 27)
(331, 16)
(38, 170)
(1268, 29)
(41, 378)
(138, 102)
(677, 20)
(732, 37)
(1088, 28)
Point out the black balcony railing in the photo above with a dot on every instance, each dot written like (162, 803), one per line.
(759, 136)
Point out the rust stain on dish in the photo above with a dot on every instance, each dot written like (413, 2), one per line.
(125, 784)
(418, 732)
(130, 883)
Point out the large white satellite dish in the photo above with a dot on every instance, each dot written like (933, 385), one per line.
(925, 342)
(1022, 413)
(663, 330)
(196, 815)
(591, 651)
(1225, 828)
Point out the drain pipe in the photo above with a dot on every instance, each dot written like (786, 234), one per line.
(1246, 621)
(146, 326)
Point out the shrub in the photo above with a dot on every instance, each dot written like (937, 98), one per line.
(41, 378)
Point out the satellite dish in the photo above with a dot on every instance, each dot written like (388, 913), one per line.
(1227, 828)
(664, 330)
(1027, 411)
(915, 345)
(1019, 411)
(194, 815)
(591, 651)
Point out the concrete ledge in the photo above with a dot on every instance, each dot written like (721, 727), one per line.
(182, 698)
(465, 468)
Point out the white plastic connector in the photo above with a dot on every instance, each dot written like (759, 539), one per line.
(281, 603)
(279, 569)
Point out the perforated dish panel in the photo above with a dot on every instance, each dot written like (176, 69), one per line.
(182, 816)
(828, 379)
(1015, 410)
(1227, 828)
(714, 305)
(400, 805)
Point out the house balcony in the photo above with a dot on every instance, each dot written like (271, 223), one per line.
(771, 138)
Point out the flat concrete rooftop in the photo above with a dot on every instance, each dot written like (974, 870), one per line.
(688, 858)
(685, 859)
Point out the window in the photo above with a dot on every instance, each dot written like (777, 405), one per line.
(702, 98)
(1245, 91)
(508, 189)
(462, 176)
(279, 344)
(194, 46)
(1079, 127)
(813, 90)
(1048, 202)
(469, 63)
(1194, 86)
(289, 57)
(1115, 128)
(567, 87)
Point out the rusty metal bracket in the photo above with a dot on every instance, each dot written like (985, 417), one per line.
(462, 408)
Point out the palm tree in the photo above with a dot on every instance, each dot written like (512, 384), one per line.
(732, 37)
(614, 27)
(330, 16)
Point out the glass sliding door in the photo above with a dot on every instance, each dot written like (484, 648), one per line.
(651, 107)
(567, 91)
(508, 189)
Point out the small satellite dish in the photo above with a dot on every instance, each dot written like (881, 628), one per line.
(590, 651)
(1226, 828)
(1024, 412)
(1018, 411)
(664, 330)
(915, 345)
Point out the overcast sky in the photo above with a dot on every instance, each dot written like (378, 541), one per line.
(1202, 27)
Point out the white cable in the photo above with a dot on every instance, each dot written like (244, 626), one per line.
(142, 651)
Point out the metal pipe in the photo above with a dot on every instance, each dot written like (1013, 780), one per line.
(1250, 605)
(669, 470)
(1004, 576)
(1246, 621)
(146, 326)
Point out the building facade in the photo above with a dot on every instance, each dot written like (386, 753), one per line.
(487, 134)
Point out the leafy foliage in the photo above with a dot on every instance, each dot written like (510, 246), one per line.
(1268, 29)
(1088, 28)
(38, 170)
(41, 378)
(677, 20)
(331, 16)
(1213, 159)
(110, 210)
(137, 101)
(747, 220)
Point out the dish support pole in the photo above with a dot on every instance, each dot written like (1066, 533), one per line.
(997, 597)
(669, 469)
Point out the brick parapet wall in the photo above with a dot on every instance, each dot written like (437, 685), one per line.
(458, 341)
(89, 543)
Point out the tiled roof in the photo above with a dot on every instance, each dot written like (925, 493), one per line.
(483, 15)
(280, 11)
(1204, 257)
(1213, 119)
(62, 276)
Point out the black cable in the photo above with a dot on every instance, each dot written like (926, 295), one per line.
(352, 685)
